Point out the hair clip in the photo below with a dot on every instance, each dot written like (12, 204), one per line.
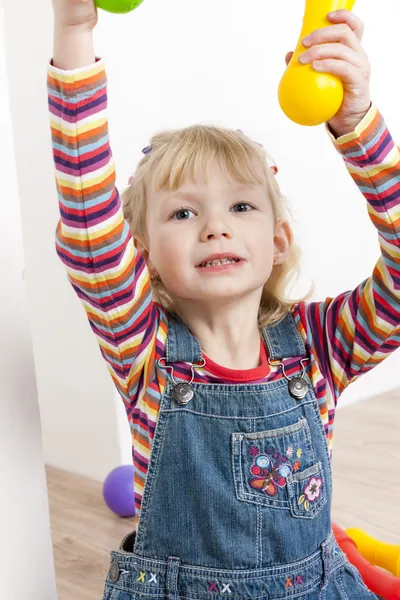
(147, 150)
(272, 164)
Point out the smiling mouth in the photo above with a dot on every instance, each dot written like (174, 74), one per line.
(219, 262)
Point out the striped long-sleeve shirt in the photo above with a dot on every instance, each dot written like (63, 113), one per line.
(347, 335)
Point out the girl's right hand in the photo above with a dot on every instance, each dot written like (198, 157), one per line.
(75, 14)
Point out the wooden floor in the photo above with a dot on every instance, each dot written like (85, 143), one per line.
(366, 494)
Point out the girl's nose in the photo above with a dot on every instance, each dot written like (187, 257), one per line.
(215, 229)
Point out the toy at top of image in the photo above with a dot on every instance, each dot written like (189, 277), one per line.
(306, 96)
(118, 6)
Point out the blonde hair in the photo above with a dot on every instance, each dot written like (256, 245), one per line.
(177, 154)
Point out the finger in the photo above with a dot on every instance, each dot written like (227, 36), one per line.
(288, 58)
(336, 51)
(348, 73)
(335, 33)
(345, 16)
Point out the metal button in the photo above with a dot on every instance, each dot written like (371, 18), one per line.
(183, 393)
(114, 572)
(298, 387)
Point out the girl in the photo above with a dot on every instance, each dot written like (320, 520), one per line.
(230, 388)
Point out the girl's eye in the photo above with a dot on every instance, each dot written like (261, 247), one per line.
(242, 207)
(183, 214)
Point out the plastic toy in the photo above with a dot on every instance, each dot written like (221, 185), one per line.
(306, 96)
(118, 6)
(386, 556)
(384, 584)
(118, 491)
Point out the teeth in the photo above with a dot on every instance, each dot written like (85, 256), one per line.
(223, 261)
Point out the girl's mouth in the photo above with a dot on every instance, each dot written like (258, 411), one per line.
(219, 262)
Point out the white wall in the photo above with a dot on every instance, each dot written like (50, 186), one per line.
(76, 396)
(26, 562)
(170, 64)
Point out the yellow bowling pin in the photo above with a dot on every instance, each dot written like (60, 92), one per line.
(306, 96)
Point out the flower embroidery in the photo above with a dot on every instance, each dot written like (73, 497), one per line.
(311, 492)
(296, 466)
(290, 452)
(254, 451)
(270, 472)
(299, 453)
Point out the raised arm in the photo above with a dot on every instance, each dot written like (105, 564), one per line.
(93, 240)
(357, 330)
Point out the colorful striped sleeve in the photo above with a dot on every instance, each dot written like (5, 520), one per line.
(93, 239)
(357, 330)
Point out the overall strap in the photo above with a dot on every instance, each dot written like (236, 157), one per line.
(181, 345)
(283, 339)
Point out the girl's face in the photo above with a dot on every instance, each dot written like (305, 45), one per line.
(213, 238)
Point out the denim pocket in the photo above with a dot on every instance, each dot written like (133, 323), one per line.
(307, 492)
(264, 462)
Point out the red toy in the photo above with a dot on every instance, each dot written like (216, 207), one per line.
(380, 582)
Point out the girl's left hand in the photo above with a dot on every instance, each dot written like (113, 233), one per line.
(337, 50)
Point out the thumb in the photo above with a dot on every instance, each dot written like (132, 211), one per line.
(288, 58)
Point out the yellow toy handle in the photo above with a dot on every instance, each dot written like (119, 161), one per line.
(306, 96)
(380, 554)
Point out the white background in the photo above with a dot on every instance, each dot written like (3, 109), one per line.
(170, 64)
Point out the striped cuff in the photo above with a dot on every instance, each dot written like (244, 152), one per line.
(76, 82)
(354, 145)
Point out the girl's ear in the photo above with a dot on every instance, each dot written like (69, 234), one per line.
(142, 248)
(282, 241)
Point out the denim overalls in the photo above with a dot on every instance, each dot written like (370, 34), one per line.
(237, 499)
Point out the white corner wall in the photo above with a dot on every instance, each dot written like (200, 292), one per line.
(76, 396)
(171, 64)
(26, 560)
